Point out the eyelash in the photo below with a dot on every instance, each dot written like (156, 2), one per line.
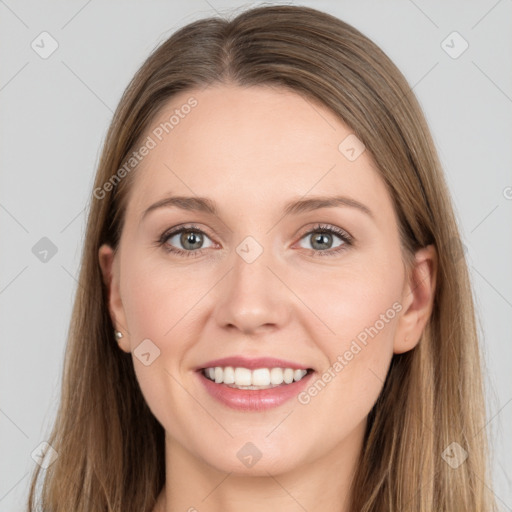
(319, 228)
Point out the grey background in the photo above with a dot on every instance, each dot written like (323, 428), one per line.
(55, 113)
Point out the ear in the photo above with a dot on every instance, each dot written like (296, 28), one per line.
(110, 270)
(417, 300)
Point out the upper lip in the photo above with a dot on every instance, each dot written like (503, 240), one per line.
(253, 363)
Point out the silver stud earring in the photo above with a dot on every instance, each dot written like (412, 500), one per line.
(119, 335)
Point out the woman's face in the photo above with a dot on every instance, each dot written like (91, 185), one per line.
(258, 280)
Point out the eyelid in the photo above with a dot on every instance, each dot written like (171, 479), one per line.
(341, 233)
(330, 228)
(182, 227)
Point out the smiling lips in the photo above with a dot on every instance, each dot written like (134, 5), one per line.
(255, 373)
(253, 384)
(261, 378)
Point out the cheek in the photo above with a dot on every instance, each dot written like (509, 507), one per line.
(158, 298)
(361, 307)
(363, 314)
(357, 301)
(161, 304)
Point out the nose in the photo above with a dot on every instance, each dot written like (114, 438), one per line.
(252, 297)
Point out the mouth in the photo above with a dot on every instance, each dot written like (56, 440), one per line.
(255, 390)
(254, 379)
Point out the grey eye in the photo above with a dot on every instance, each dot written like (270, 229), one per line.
(190, 239)
(322, 241)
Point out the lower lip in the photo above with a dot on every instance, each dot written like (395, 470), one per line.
(254, 399)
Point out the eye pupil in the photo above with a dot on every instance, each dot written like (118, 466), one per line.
(322, 238)
(191, 237)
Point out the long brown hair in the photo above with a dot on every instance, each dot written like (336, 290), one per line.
(111, 448)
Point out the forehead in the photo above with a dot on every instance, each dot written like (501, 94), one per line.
(246, 146)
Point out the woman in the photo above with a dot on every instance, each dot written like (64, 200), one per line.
(273, 306)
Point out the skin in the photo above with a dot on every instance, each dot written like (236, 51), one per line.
(252, 150)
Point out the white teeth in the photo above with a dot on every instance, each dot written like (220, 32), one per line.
(229, 375)
(288, 376)
(276, 376)
(298, 374)
(242, 376)
(261, 378)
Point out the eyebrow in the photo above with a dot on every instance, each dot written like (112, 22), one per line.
(203, 204)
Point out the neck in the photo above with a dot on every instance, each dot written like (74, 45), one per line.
(319, 484)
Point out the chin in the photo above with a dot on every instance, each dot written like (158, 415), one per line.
(254, 456)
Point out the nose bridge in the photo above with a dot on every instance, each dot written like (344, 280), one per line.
(252, 296)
